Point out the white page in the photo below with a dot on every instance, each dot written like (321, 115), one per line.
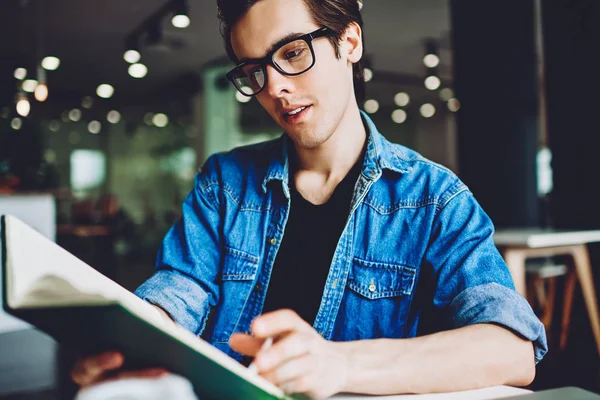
(30, 256)
(39, 211)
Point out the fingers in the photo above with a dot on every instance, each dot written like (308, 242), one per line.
(286, 349)
(277, 323)
(245, 344)
(290, 371)
(89, 369)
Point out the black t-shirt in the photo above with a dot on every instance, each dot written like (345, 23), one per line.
(311, 236)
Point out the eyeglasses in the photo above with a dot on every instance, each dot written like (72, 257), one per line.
(291, 58)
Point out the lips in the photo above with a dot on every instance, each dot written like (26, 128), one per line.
(295, 114)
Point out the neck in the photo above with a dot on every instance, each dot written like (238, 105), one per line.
(340, 152)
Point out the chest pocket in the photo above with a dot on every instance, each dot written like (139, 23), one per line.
(237, 279)
(376, 301)
(375, 280)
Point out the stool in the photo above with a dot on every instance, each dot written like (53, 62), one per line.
(540, 297)
(578, 268)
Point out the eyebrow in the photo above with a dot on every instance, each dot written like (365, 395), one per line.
(286, 38)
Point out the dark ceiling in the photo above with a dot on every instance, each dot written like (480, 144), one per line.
(88, 36)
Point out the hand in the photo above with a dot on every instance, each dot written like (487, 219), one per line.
(300, 360)
(93, 369)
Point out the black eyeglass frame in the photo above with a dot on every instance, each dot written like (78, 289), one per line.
(268, 59)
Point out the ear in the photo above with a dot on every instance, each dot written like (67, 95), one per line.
(352, 43)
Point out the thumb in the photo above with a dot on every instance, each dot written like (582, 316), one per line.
(245, 344)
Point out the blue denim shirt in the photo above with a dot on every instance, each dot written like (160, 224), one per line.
(416, 254)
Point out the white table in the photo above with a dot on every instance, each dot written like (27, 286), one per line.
(495, 392)
(516, 245)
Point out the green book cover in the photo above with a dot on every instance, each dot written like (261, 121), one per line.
(70, 301)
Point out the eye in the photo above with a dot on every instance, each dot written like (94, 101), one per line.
(290, 55)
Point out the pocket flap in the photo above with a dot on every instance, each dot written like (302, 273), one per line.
(239, 265)
(376, 280)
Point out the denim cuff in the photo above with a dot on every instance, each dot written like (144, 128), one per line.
(180, 296)
(497, 304)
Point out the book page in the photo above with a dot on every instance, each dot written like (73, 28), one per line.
(34, 262)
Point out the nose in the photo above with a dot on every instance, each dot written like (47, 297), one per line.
(278, 84)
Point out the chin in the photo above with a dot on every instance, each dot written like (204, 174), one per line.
(307, 140)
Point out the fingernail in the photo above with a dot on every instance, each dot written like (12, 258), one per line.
(111, 359)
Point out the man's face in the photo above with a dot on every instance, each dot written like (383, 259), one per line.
(325, 90)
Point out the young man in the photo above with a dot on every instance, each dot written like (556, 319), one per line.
(339, 245)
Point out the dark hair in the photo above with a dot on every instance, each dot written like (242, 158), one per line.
(336, 15)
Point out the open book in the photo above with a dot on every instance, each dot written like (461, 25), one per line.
(61, 295)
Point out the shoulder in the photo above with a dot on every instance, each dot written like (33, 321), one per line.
(420, 176)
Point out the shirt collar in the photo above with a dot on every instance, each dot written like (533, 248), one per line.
(380, 155)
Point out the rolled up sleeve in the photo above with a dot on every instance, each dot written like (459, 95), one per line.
(473, 284)
(187, 266)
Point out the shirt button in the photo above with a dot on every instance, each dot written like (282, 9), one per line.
(258, 287)
(273, 241)
(372, 287)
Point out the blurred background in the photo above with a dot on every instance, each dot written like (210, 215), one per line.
(108, 108)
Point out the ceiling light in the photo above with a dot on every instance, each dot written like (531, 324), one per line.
(16, 123)
(371, 106)
(20, 73)
(50, 63)
(75, 115)
(87, 102)
(160, 120)
(29, 85)
(41, 92)
(427, 110)
(432, 82)
(113, 117)
(94, 127)
(132, 56)
(368, 73)
(138, 70)
(401, 99)
(431, 60)
(105, 91)
(181, 17)
(23, 105)
(399, 116)
(453, 105)
(240, 97)
(180, 21)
